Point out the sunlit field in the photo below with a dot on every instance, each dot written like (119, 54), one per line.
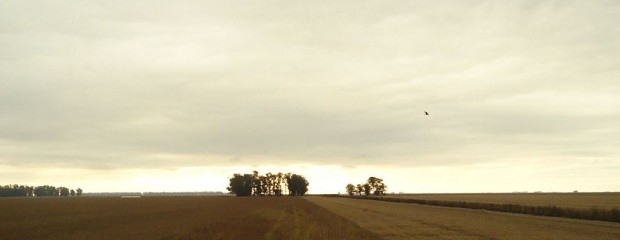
(172, 218)
(390, 220)
(569, 200)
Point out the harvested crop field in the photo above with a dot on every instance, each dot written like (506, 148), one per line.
(390, 220)
(172, 218)
(312, 217)
(568, 200)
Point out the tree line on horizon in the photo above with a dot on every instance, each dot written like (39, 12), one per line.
(270, 184)
(373, 186)
(38, 191)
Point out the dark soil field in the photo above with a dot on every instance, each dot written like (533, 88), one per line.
(172, 218)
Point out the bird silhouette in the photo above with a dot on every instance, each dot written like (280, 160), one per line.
(426, 113)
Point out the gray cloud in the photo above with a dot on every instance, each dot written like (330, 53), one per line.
(111, 85)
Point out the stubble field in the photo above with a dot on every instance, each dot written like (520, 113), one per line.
(390, 220)
(568, 200)
(312, 217)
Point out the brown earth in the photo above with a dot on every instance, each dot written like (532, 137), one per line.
(172, 218)
(310, 217)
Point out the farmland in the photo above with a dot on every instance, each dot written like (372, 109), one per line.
(310, 217)
(171, 218)
(568, 200)
(391, 220)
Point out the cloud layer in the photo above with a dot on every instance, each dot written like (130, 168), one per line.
(155, 84)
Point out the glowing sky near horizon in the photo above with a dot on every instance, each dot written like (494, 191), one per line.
(178, 96)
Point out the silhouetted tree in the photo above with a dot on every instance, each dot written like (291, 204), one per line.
(72, 193)
(350, 189)
(377, 186)
(279, 179)
(14, 190)
(359, 189)
(45, 190)
(269, 184)
(257, 188)
(373, 186)
(241, 185)
(21, 190)
(78, 192)
(287, 176)
(263, 185)
(297, 185)
(366, 189)
(64, 192)
(30, 191)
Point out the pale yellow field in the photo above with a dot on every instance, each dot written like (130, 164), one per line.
(570, 200)
(391, 220)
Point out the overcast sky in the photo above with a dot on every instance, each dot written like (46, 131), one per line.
(179, 95)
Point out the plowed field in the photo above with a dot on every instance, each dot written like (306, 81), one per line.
(172, 218)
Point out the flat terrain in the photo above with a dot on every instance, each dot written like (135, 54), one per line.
(391, 220)
(570, 200)
(311, 217)
(172, 218)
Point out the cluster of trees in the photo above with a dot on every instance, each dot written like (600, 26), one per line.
(270, 184)
(373, 186)
(39, 191)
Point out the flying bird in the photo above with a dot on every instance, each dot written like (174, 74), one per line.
(426, 113)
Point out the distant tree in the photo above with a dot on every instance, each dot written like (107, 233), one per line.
(38, 191)
(64, 192)
(78, 192)
(72, 193)
(257, 189)
(297, 185)
(22, 191)
(376, 185)
(380, 189)
(367, 189)
(373, 186)
(287, 176)
(279, 179)
(359, 189)
(14, 190)
(269, 184)
(30, 191)
(45, 190)
(241, 185)
(264, 189)
(350, 189)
